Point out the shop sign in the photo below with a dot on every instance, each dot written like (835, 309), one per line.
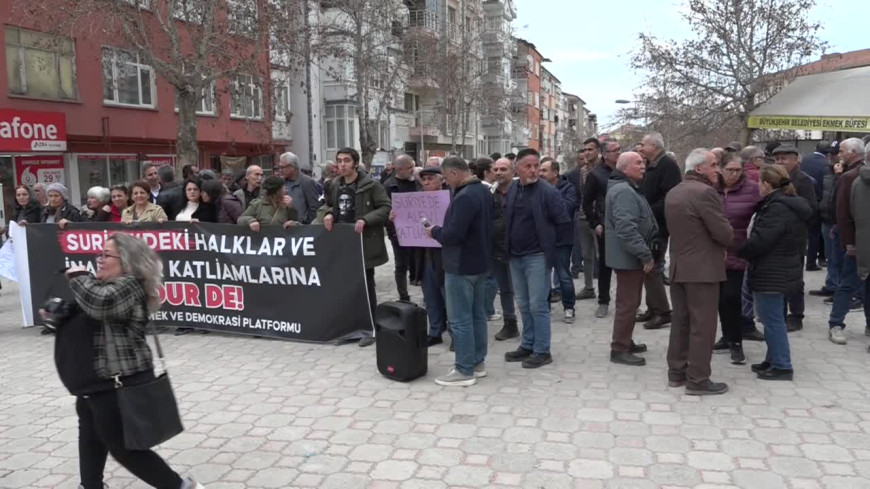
(39, 169)
(23, 130)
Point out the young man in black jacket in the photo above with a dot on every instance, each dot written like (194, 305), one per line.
(594, 194)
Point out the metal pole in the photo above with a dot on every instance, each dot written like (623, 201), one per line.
(422, 141)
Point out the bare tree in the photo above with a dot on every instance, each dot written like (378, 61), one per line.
(367, 57)
(192, 44)
(724, 72)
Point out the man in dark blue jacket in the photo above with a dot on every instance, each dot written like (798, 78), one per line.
(564, 239)
(466, 240)
(533, 211)
(818, 166)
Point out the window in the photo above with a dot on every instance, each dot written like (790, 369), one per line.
(188, 10)
(247, 98)
(412, 102)
(206, 103)
(105, 171)
(383, 134)
(340, 126)
(126, 81)
(145, 4)
(281, 99)
(242, 17)
(40, 65)
(493, 65)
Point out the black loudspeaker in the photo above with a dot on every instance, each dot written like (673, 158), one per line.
(400, 337)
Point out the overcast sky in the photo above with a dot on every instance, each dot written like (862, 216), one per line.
(590, 43)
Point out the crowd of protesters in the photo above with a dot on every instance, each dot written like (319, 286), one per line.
(737, 225)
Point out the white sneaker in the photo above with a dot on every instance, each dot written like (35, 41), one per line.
(837, 335)
(480, 371)
(455, 378)
(189, 483)
(569, 316)
(494, 317)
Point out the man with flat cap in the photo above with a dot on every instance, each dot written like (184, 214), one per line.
(788, 156)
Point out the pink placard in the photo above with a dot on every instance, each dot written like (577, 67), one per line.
(410, 208)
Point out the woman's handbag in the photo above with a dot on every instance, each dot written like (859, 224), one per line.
(149, 413)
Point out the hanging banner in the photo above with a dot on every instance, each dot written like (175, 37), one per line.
(27, 130)
(30, 170)
(818, 123)
(303, 284)
(410, 208)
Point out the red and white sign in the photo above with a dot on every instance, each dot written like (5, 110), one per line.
(38, 169)
(23, 130)
(159, 161)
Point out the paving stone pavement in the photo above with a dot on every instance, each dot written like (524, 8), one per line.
(271, 414)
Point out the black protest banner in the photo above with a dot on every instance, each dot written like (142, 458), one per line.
(303, 283)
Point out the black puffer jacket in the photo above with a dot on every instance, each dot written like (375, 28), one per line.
(773, 248)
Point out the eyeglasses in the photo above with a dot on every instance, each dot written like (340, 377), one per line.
(104, 256)
(733, 170)
(616, 150)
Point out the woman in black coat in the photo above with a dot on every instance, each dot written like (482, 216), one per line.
(59, 210)
(27, 207)
(773, 250)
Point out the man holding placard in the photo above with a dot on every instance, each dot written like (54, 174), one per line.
(401, 181)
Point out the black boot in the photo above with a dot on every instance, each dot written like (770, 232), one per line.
(510, 330)
(737, 356)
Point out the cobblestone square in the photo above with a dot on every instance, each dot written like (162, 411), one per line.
(272, 414)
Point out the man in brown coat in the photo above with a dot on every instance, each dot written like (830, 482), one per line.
(700, 234)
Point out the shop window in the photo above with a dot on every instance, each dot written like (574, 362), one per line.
(247, 98)
(40, 65)
(126, 81)
(105, 171)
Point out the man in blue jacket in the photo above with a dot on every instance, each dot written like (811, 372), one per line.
(466, 240)
(564, 239)
(533, 210)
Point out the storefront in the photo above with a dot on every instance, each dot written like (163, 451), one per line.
(32, 150)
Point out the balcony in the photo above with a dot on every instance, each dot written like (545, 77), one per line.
(423, 20)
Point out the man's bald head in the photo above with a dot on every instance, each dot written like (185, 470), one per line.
(631, 164)
(403, 166)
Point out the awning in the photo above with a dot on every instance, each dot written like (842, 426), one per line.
(835, 101)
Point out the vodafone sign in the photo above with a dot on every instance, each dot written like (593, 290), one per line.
(22, 130)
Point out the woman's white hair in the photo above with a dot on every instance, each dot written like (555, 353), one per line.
(140, 261)
(696, 158)
(100, 193)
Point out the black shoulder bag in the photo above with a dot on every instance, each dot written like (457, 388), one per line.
(149, 412)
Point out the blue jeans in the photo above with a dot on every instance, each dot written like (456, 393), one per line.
(467, 315)
(834, 255)
(433, 297)
(531, 280)
(769, 306)
(502, 273)
(851, 286)
(563, 281)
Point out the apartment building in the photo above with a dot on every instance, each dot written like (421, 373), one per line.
(499, 49)
(526, 104)
(112, 111)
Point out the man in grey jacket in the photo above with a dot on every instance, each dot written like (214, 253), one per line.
(300, 188)
(630, 228)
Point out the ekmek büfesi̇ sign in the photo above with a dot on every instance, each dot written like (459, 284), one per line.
(23, 130)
